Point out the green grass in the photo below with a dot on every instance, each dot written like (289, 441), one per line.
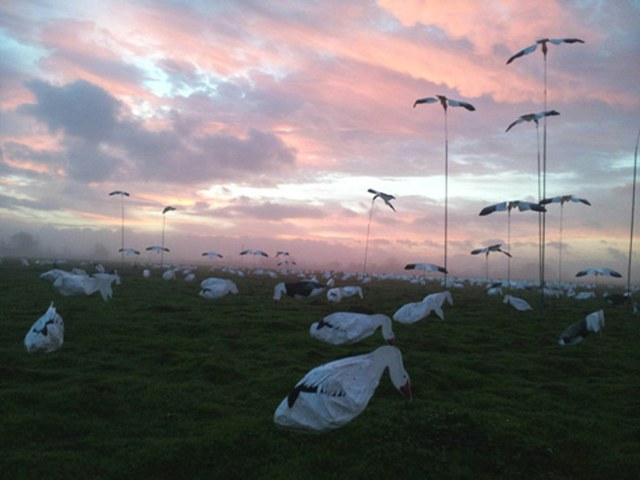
(160, 383)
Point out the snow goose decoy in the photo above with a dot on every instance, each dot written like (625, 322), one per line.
(384, 196)
(575, 333)
(412, 312)
(46, 334)
(489, 249)
(333, 394)
(426, 267)
(341, 328)
(211, 254)
(301, 289)
(129, 251)
(598, 272)
(543, 42)
(214, 287)
(157, 249)
(532, 117)
(518, 303)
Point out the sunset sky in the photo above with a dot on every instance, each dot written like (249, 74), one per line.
(264, 124)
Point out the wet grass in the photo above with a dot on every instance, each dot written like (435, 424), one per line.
(160, 383)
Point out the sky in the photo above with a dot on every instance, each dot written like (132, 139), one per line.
(265, 123)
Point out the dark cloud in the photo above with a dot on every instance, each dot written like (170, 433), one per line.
(79, 109)
(89, 116)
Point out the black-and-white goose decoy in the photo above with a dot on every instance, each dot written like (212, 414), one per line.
(532, 117)
(598, 272)
(384, 196)
(489, 249)
(575, 333)
(543, 43)
(129, 251)
(333, 394)
(427, 267)
(301, 289)
(211, 254)
(445, 102)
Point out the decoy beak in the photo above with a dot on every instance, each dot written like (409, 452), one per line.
(405, 390)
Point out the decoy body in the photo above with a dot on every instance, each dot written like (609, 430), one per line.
(333, 394)
(575, 333)
(46, 334)
(427, 267)
(341, 328)
(489, 249)
(599, 272)
(508, 206)
(518, 303)
(532, 117)
(445, 102)
(384, 196)
(301, 289)
(543, 42)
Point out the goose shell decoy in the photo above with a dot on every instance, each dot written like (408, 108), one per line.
(575, 333)
(341, 328)
(301, 289)
(333, 394)
(46, 334)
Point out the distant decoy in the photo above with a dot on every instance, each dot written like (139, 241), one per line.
(575, 333)
(251, 251)
(532, 117)
(157, 249)
(384, 196)
(521, 205)
(427, 267)
(489, 249)
(599, 272)
(168, 209)
(341, 328)
(445, 102)
(129, 251)
(543, 42)
(46, 334)
(333, 394)
(211, 254)
(282, 253)
(518, 303)
(298, 290)
(119, 192)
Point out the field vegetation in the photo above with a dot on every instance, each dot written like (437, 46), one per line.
(158, 383)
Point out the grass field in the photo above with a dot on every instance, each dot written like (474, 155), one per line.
(159, 383)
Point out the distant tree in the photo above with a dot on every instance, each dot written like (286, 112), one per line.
(99, 252)
(23, 244)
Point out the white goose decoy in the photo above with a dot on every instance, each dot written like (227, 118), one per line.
(251, 251)
(412, 312)
(518, 303)
(575, 333)
(341, 328)
(129, 251)
(333, 394)
(214, 287)
(46, 334)
(72, 284)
